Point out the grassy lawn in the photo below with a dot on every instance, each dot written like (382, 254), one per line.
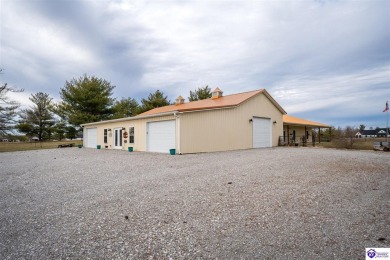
(357, 143)
(25, 146)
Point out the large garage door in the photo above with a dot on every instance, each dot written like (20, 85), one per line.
(91, 138)
(161, 136)
(262, 134)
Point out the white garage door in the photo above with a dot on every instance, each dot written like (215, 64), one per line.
(91, 138)
(161, 136)
(262, 134)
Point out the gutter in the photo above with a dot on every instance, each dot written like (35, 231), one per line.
(311, 125)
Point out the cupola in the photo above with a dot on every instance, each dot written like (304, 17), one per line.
(179, 100)
(217, 93)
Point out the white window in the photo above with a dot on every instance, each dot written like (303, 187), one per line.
(131, 135)
(105, 136)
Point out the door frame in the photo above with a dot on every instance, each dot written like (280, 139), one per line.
(120, 131)
(148, 135)
(253, 131)
(86, 144)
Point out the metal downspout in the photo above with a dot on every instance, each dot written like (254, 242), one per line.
(178, 133)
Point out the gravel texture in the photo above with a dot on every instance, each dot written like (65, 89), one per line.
(279, 203)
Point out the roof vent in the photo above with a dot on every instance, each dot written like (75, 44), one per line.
(217, 93)
(179, 100)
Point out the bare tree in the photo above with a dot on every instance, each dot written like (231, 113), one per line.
(8, 109)
(345, 138)
(349, 134)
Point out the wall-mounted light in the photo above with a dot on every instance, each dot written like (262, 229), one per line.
(250, 120)
(274, 122)
(123, 128)
(109, 129)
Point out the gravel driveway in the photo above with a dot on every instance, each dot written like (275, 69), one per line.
(278, 203)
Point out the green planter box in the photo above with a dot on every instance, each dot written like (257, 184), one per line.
(172, 151)
(130, 149)
(98, 146)
(80, 146)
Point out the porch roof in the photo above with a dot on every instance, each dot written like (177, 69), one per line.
(290, 120)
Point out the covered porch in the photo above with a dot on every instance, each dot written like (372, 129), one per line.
(298, 131)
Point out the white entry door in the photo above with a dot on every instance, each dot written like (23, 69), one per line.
(117, 138)
(262, 132)
(161, 136)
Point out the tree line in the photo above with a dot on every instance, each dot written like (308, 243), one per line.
(83, 100)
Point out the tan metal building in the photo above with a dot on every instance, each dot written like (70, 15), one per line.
(221, 123)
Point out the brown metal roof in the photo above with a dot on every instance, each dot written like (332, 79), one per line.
(222, 102)
(290, 120)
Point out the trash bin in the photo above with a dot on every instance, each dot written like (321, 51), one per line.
(130, 149)
(98, 146)
(172, 151)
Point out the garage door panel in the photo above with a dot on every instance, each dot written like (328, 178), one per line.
(161, 136)
(91, 141)
(262, 132)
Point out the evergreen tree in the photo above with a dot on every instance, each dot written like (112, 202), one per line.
(200, 93)
(156, 99)
(26, 128)
(126, 107)
(60, 129)
(39, 118)
(86, 99)
(71, 132)
(50, 130)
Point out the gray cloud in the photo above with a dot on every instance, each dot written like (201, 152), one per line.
(324, 60)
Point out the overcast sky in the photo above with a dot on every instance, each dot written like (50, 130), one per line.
(327, 61)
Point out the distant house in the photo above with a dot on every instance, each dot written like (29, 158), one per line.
(379, 132)
(382, 132)
(358, 134)
(366, 133)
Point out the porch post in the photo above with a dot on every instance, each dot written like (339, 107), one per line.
(319, 135)
(288, 135)
(305, 137)
(330, 134)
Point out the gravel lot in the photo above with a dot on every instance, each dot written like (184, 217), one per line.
(308, 203)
